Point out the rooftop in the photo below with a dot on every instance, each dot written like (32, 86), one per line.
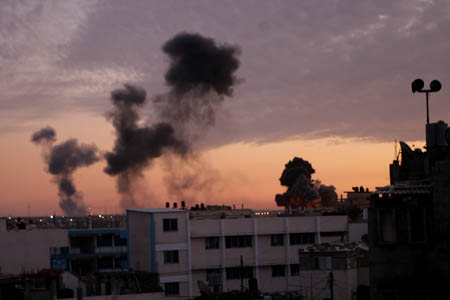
(406, 188)
(156, 210)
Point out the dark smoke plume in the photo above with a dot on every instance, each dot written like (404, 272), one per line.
(327, 193)
(62, 160)
(302, 191)
(197, 62)
(45, 135)
(200, 75)
(136, 146)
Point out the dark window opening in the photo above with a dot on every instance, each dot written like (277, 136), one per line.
(214, 276)
(171, 288)
(239, 241)
(279, 271)
(212, 242)
(118, 241)
(322, 263)
(235, 273)
(105, 263)
(417, 224)
(105, 240)
(295, 269)
(277, 240)
(171, 257)
(170, 224)
(301, 238)
(386, 225)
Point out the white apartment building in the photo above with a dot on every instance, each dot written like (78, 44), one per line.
(185, 246)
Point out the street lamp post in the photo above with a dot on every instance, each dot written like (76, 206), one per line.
(417, 86)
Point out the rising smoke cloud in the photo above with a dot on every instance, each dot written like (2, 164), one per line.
(200, 75)
(62, 161)
(136, 146)
(301, 190)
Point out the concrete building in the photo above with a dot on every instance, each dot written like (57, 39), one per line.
(28, 251)
(187, 246)
(359, 197)
(409, 225)
(96, 250)
(46, 244)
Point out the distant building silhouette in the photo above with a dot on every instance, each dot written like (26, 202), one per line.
(409, 223)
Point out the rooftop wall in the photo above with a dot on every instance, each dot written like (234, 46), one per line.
(28, 251)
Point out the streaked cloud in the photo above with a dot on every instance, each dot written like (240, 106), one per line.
(310, 69)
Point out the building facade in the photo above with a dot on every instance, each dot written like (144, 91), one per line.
(409, 227)
(216, 247)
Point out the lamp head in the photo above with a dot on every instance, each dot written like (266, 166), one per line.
(435, 86)
(417, 85)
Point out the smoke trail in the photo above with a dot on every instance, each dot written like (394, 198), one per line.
(62, 161)
(200, 75)
(191, 180)
(135, 146)
(327, 193)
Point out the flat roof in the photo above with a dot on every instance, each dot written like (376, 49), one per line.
(156, 210)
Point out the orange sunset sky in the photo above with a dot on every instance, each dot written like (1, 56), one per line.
(327, 81)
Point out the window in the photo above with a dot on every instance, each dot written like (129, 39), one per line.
(104, 240)
(118, 241)
(170, 224)
(235, 273)
(333, 234)
(277, 240)
(105, 263)
(171, 288)
(417, 224)
(212, 242)
(322, 263)
(295, 269)
(386, 225)
(301, 238)
(279, 271)
(171, 257)
(239, 241)
(214, 276)
(120, 262)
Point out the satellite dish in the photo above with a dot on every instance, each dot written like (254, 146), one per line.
(435, 86)
(447, 136)
(417, 85)
(204, 288)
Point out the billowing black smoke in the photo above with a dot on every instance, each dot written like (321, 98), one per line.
(62, 161)
(327, 193)
(302, 191)
(197, 62)
(200, 75)
(136, 145)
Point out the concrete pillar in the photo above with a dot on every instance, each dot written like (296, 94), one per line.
(222, 255)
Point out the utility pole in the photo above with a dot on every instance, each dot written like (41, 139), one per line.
(331, 279)
(242, 275)
(311, 286)
(300, 276)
